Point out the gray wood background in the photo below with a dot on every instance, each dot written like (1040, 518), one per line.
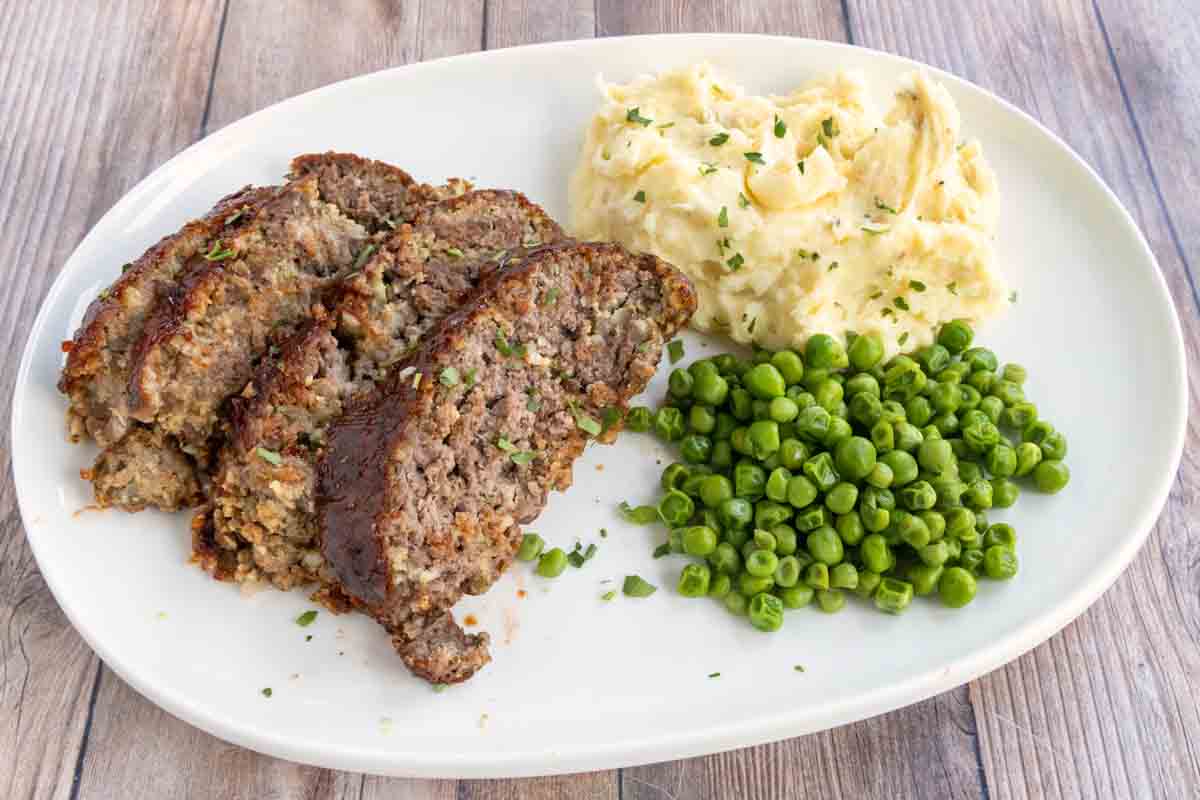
(94, 95)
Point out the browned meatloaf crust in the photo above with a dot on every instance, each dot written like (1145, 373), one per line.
(200, 343)
(96, 376)
(264, 522)
(421, 487)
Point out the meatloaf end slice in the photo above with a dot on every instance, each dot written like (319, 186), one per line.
(263, 511)
(96, 375)
(422, 486)
(116, 480)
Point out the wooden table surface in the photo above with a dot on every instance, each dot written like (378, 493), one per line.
(94, 95)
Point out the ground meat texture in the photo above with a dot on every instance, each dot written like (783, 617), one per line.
(263, 509)
(96, 375)
(114, 476)
(422, 486)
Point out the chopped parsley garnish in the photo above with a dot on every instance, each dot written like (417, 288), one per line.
(707, 168)
(720, 139)
(900, 303)
(582, 421)
(518, 457)
(469, 377)
(887, 312)
(735, 263)
(829, 127)
(754, 157)
(234, 217)
(610, 416)
(662, 550)
(306, 619)
(903, 338)
(550, 296)
(723, 245)
(449, 377)
(509, 350)
(641, 515)
(589, 552)
(533, 405)
(723, 218)
(874, 228)
(714, 674)
(798, 668)
(454, 252)
(634, 116)
(916, 286)
(808, 254)
(753, 324)
(780, 127)
(675, 350)
(743, 201)
(636, 586)
(439, 687)
(391, 223)
(665, 125)
(362, 257)
(1012, 296)
(876, 295)
(608, 596)
(952, 288)
(308, 638)
(218, 253)
(640, 197)
(604, 533)
(800, 166)
(832, 266)
(267, 692)
(269, 456)
(882, 206)
(417, 380)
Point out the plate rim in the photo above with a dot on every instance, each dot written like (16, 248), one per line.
(667, 746)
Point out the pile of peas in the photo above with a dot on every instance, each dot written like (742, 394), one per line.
(807, 477)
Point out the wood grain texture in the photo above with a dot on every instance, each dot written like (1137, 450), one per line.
(1107, 708)
(91, 100)
(814, 19)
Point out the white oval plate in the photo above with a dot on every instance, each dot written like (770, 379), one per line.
(577, 683)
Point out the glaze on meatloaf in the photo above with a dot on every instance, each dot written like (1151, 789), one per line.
(252, 286)
(422, 486)
(263, 512)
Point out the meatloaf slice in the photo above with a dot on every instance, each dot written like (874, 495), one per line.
(422, 485)
(264, 522)
(96, 375)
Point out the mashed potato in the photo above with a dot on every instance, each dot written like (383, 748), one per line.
(798, 214)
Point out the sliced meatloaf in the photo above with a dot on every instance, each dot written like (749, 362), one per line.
(421, 486)
(264, 523)
(96, 375)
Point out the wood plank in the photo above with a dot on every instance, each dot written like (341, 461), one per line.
(926, 750)
(1106, 708)
(90, 101)
(269, 51)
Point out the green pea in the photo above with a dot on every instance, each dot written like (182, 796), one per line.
(868, 582)
(902, 465)
(904, 379)
(739, 440)
(1014, 373)
(801, 491)
(843, 576)
(1054, 446)
(750, 585)
(841, 498)
(839, 431)
(777, 483)
(736, 603)
(954, 373)
(978, 496)
(639, 419)
(785, 539)
(1029, 455)
(1004, 492)
(949, 491)
(830, 601)
(1001, 534)
(675, 508)
(955, 336)
(829, 394)
(961, 451)
(719, 586)
(813, 423)
(787, 572)
(765, 382)
(694, 580)
(765, 540)
(993, 407)
(783, 409)
(882, 498)
(766, 612)
(893, 596)
(790, 366)
(911, 529)
(816, 575)
(865, 409)
(918, 411)
(762, 563)
(999, 562)
(1051, 476)
(722, 455)
(883, 436)
(892, 412)
(1002, 461)
(724, 363)
(854, 458)
(865, 351)
(956, 587)
(691, 486)
(761, 355)
(850, 528)
(794, 597)
(946, 424)
(875, 553)
(1007, 392)
(725, 559)
(968, 398)
(768, 514)
(972, 560)
(924, 578)
(906, 436)
(862, 383)
(696, 449)
(531, 547)
(820, 470)
(674, 476)
(945, 398)
(917, 496)
(931, 433)
(934, 358)
(969, 471)
(724, 427)
(702, 419)
(825, 352)
(552, 563)
(1019, 415)
(763, 437)
(935, 455)
(668, 423)
(981, 437)
(955, 549)
(741, 405)
(980, 358)
(936, 523)
(825, 545)
(680, 383)
(793, 453)
(959, 521)
(881, 476)
(934, 554)
(760, 409)
(981, 381)
(698, 540)
(749, 480)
